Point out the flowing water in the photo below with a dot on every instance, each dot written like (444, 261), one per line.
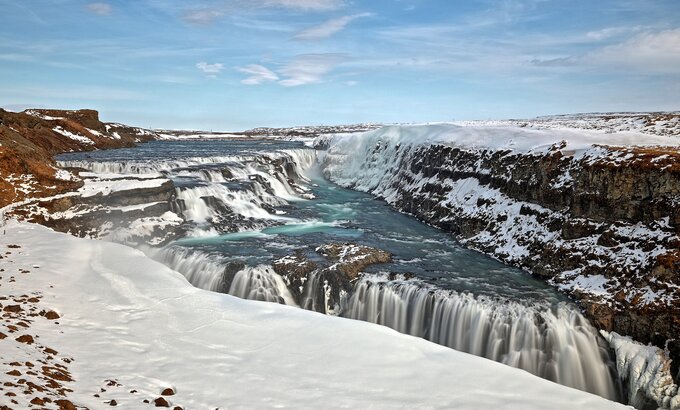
(249, 203)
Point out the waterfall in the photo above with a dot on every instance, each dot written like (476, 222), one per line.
(210, 273)
(557, 344)
(261, 283)
(201, 270)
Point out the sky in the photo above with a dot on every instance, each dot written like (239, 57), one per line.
(232, 64)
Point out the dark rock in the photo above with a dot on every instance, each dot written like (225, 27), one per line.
(52, 315)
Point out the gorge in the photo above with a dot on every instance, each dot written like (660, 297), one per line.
(591, 215)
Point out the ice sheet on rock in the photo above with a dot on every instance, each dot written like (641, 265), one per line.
(647, 369)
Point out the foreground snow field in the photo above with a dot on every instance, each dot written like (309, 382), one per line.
(134, 328)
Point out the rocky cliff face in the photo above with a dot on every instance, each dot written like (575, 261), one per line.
(602, 226)
(29, 140)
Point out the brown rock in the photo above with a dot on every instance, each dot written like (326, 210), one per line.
(28, 339)
(51, 315)
(161, 402)
(12, 308)
(65, 404)
(113, 403)
(38, 401)
(14, 373)
(168, 392)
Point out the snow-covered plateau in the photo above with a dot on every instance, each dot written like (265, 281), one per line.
(123, 328)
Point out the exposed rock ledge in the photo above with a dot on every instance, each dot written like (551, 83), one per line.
(600, 225)
(330, 278)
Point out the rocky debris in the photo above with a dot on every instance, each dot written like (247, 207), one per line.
(161, 402)
(23, 382)
(322, 284)
(168, 392)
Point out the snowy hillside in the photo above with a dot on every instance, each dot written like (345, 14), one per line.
(129, 328)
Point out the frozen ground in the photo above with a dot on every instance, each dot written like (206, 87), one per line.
(133, 328)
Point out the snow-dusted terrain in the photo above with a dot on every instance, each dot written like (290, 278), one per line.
(130, 328)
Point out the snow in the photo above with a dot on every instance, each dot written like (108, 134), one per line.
(43, 116)
(75, 137)
(127, 318)
(64, 175)
(105, 187)
(503, 138)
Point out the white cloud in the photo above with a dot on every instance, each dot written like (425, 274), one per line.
(309, 68)
(609, 32)
(312, 5)
(102, 9)
(648, 52)
(211, 70)
(208, 15)
(202, 16)
(328, 28)
(257, 74)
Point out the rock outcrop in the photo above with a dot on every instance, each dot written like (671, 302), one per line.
(29, 140)
(323, 284)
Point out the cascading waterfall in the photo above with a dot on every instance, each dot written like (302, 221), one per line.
(205, 272)
(201, 270)
(557, 344)
(261, 283)
(248, 186)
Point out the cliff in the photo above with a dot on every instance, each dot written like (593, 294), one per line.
(594, 214)
(29, 140)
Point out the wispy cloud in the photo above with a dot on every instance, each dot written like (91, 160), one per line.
(652, 52)
(309, 68)
(202, 16)
(102, 9)
(314, 5)
(328, 28)
(301, 70)
(208, 15)
(257, 74)
(611, 32)
(210, 70)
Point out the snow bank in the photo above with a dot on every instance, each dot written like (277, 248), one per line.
(127, 318)
(94, 187)
(501, 138)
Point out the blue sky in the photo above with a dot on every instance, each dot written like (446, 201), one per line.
(232, 65)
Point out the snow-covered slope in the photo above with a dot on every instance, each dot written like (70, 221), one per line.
(130, 328)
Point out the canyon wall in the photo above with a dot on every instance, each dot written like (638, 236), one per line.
(599, 222)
